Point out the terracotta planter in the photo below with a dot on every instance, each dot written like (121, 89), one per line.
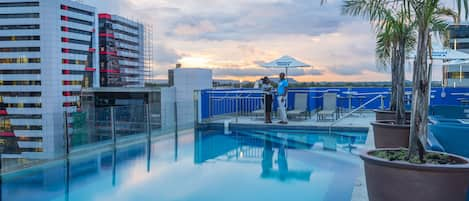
(387, 134)
(384, 115)
(402, 181)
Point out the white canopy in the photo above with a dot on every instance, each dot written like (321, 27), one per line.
(439, 52)
(285, 62)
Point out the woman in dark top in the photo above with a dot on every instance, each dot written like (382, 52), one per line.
(267, 88)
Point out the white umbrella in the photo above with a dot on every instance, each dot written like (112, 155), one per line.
(285, 62)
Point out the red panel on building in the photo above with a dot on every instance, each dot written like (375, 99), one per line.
(90, 69)
(104, 16)
(92, 50)
(66, 72)
(65, 40)
(7, 134)
(108, 53)
(64, 18)
(3, 112)
(109, 35)
(67, 93)
(64, 7)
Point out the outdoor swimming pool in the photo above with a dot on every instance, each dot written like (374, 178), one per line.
(208, 165)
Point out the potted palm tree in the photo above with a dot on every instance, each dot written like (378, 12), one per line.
(415, 173)
(395, 35)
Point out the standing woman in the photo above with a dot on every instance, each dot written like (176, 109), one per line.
(268, 99)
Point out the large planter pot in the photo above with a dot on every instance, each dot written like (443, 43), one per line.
(403, 181)
(388, 134)
(384, 115)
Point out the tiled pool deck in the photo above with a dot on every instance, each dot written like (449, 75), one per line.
(358, 121)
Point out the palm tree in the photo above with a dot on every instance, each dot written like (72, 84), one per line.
(425, 13)
(395, 35)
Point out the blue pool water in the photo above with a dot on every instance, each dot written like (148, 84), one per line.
(206, 166)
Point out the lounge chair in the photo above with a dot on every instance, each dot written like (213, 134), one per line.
(329, 108)
(301, 106)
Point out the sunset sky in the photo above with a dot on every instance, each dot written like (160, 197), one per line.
(233, 37)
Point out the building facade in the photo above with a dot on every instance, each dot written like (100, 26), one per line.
(47, 57)
(121, 49)
(458, 75)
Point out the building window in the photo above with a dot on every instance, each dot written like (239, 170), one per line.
(20, 94)
(458, 75)
(76, 10)
(20, 105)
(75, 20)
(19, 60)
(19, 38)
(71, 82)
(72, 61)
(19, 27)
(19, 4)
(19, 15)
(20, 49)
(20, 83)
(76, 41)
(77, 31)
(10, 72)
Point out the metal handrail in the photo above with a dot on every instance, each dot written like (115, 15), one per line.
(357, 109)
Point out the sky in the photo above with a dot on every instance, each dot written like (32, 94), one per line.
(233, 37)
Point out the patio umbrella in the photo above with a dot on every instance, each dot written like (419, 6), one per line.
(285, 62)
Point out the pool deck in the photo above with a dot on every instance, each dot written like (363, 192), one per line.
(359, 121)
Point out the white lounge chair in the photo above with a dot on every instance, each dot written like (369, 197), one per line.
(329, 108)
(301, 106)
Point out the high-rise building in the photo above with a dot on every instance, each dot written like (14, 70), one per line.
(121, 49)
(458, 75)
(47, 57)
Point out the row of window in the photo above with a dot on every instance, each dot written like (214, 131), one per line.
(76, 10)
(73, 61)
(19, 60)
(75, 20)
(10, 72)
(458, 75)
(19, 15)
(126, 33)
(20, 4)
(20, 105)
(20, 94)
(19, 38)
(76, 41)
(126, 42)
(20, 49)
(125, 24)
(19, 27)
(73, 51)
(128, 50)
(23, 116)
(71, 82)
(20, 83)
(77, 31)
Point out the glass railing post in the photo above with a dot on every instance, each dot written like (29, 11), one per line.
(148, 117)
(113, 127)
(382, 102)
(66, 135)
(176, 118)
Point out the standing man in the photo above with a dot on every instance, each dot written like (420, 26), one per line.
(282, 91)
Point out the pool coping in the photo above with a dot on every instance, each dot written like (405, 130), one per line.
(277, 126)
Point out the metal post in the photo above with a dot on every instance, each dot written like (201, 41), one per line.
(382, 102)
(148, 112)
(67, 143)
(176, 118)
(237, 107)
(114, 147)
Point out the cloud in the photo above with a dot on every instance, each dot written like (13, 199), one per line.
(166, 55)
(259, 72)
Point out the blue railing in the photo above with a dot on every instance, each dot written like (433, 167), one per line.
(216, 102)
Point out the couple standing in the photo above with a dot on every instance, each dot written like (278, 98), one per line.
(282, 91)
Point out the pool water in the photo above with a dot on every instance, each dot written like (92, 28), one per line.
(208, 165)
